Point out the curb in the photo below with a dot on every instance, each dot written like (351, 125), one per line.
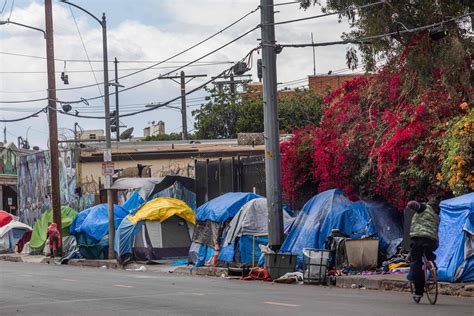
(453, 289)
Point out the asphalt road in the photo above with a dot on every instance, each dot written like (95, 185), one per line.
(35, 289)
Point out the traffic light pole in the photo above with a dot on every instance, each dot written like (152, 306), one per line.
(271, 130)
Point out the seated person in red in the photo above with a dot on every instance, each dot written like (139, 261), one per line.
(54, 239)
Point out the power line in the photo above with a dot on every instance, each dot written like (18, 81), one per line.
(23, 118)
(3, 7)
(366, 40)
(330, 13)
(11, 9)
(85, 50)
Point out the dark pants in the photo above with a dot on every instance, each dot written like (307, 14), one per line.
(421, 246)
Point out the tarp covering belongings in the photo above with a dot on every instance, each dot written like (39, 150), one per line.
(13, 234)
(91, 229)
(144, 186)
(223, 207)
(133, 202)
(211, 218)
(455, 255)
(246, 231)
(38, 237)
(332, 210)
(161, 228)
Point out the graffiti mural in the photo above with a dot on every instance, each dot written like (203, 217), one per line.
(34, 185)
(8, 161)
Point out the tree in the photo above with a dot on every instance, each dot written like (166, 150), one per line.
(171, 136)
(224, 115)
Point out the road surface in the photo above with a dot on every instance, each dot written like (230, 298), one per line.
(41, 289)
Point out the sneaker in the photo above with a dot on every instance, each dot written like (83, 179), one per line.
(417, 298)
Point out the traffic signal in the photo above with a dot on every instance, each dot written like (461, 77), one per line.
(259, 70)
(114, 122)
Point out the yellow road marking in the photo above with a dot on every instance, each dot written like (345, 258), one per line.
(121, 285)
(281, 304)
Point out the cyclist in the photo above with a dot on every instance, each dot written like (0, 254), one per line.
(424, 241)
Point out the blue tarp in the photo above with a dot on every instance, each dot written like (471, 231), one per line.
(178, 191)
(124, 239)
(223, 207)
(133, 203)
(94, 221)
(332, 210)
(455, 255)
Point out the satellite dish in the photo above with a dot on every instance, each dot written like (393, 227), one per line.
(126, 134)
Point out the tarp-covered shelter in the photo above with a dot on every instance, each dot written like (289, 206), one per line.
(133, 202)
(38, 237)
(12, 232)
(160, 229)
(178, 187)
(332, 210)
(246, 231)
(455, 255)
(211, 218)
(91, 229)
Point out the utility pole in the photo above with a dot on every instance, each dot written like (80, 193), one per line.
(314, 55)
(117, 113)
(182, 83)
(53, 121)
(108, 141)
(271, 129)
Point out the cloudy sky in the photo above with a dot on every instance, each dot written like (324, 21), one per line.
(139, 33)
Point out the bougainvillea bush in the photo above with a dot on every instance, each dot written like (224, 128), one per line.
(391, 135)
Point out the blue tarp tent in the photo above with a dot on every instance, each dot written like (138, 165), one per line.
(223, 207)
(455, 255)
(90, 228)
(133, 202)
(332, 210)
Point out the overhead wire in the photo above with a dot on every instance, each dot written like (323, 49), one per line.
(11, 10)
(23, 118)
(85, 50)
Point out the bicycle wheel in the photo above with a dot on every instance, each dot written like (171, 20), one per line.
(431, 282)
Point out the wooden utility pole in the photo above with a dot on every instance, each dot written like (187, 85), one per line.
(183, 83)
(53, 121)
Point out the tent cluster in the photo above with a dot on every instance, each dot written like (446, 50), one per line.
(13, 233)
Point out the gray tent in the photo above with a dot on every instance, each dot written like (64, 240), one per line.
(252, 219)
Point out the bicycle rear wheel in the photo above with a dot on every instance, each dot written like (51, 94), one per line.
(431, 284)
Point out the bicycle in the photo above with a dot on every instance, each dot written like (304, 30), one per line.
(431, 282)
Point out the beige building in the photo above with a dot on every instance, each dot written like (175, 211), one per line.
(159, 159)
(92, 134)
(154, 129)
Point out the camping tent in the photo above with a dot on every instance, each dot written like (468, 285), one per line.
(246, 231)
(38, 237)
(160, 228)
(455, 255)
(11, 232)
(211, 218)
(91, 228)
(332, 210)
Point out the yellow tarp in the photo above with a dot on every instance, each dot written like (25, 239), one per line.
(162, 208)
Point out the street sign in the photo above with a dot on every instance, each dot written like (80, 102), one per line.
(10, 201)
(108, 168)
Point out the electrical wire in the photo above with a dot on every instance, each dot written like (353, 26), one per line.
(11, 9)
(85, 50)
(366, 40)
(172, 71)
(330, 13)
(3, 7)
(23, 118)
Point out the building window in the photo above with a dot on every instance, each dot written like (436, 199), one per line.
(92, 136)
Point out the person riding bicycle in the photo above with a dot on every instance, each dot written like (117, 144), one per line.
(424, 241)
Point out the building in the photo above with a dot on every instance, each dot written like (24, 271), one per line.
(154, 129)
(92, 134)
(324, 84)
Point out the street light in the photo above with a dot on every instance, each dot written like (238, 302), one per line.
(52, 115)
(108, 151)
(23, 25)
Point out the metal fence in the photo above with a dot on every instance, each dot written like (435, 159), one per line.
(237, 174)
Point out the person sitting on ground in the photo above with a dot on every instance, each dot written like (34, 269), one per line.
(424, 241)
(54, 239)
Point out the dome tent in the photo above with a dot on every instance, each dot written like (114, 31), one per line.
(161, 228)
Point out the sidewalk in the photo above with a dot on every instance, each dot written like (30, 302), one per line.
(385, 282)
